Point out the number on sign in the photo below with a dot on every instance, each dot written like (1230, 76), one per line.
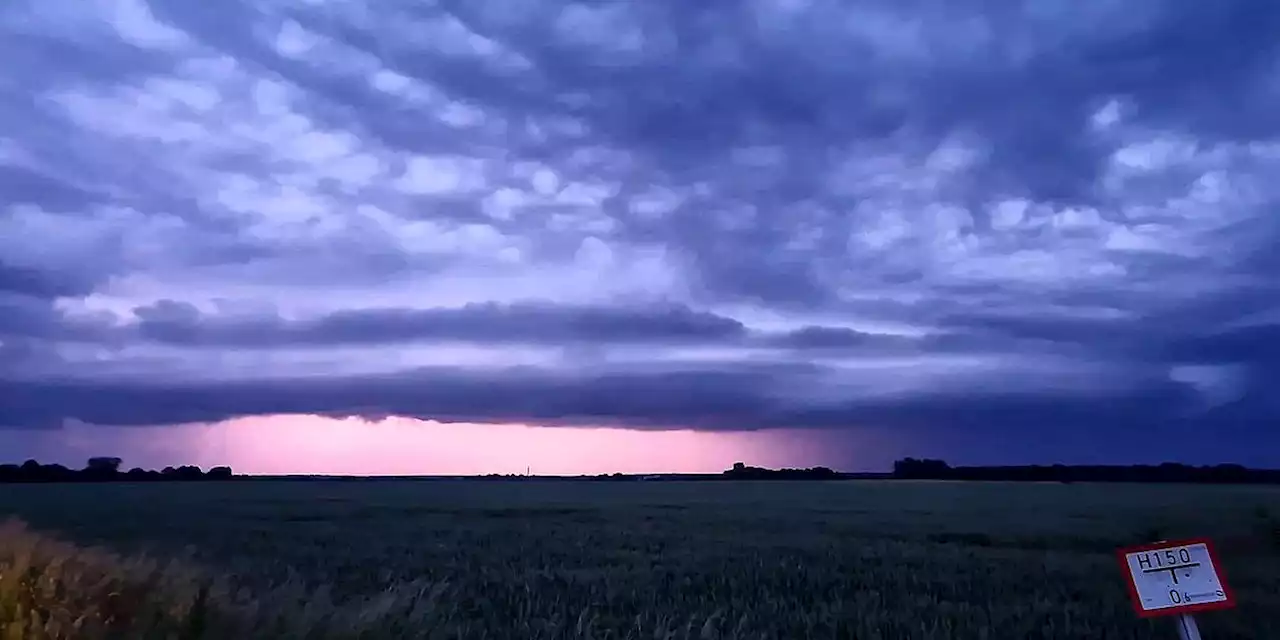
(1169, 557)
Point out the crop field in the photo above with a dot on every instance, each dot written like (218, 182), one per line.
(654, 560)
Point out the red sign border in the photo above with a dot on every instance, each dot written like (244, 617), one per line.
(1178, 609)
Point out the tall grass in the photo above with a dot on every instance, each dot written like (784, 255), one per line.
(557, 561)
(54, 590)
(50, 589)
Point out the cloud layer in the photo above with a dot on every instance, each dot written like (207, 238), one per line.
(1001, 219)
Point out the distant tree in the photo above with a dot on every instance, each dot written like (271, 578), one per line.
(912, 468)
(103, 465)
(138, 474)
(741, 471)
(189, 472)
(56, 473)
(103, 469)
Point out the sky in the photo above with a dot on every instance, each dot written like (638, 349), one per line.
(392, 236)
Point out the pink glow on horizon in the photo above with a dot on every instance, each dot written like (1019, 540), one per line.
(403, 446)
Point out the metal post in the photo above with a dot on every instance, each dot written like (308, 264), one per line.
(1187, 629)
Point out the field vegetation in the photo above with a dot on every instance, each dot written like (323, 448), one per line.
(654, 560)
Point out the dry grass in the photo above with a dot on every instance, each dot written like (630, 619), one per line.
(50, 589)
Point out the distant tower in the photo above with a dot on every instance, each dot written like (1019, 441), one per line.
(738, 466)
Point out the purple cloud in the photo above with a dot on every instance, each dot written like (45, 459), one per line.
(990, 219)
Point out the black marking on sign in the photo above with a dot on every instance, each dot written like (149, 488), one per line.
(1173, 569)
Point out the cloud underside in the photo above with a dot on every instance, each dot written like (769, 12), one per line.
(732, 216)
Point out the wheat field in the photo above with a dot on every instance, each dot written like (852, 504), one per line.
(536, 559)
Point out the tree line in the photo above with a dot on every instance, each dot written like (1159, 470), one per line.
(107, 469)
(741, 471)
(931, 469)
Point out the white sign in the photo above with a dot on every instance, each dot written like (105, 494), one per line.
(1175, 577)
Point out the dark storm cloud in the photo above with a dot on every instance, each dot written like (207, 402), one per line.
(658, 399)
(1258, 345)
(178, 323)
(170, 322)
(1023, 77)
(25, 185)
(1000, 217)
(25, 281)
(827, 337)
(1113, 335)
(24, 319)
(725, 398)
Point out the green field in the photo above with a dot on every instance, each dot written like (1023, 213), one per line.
(653, 560)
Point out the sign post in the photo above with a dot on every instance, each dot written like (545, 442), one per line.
(1187, 629)
(1175, 578)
